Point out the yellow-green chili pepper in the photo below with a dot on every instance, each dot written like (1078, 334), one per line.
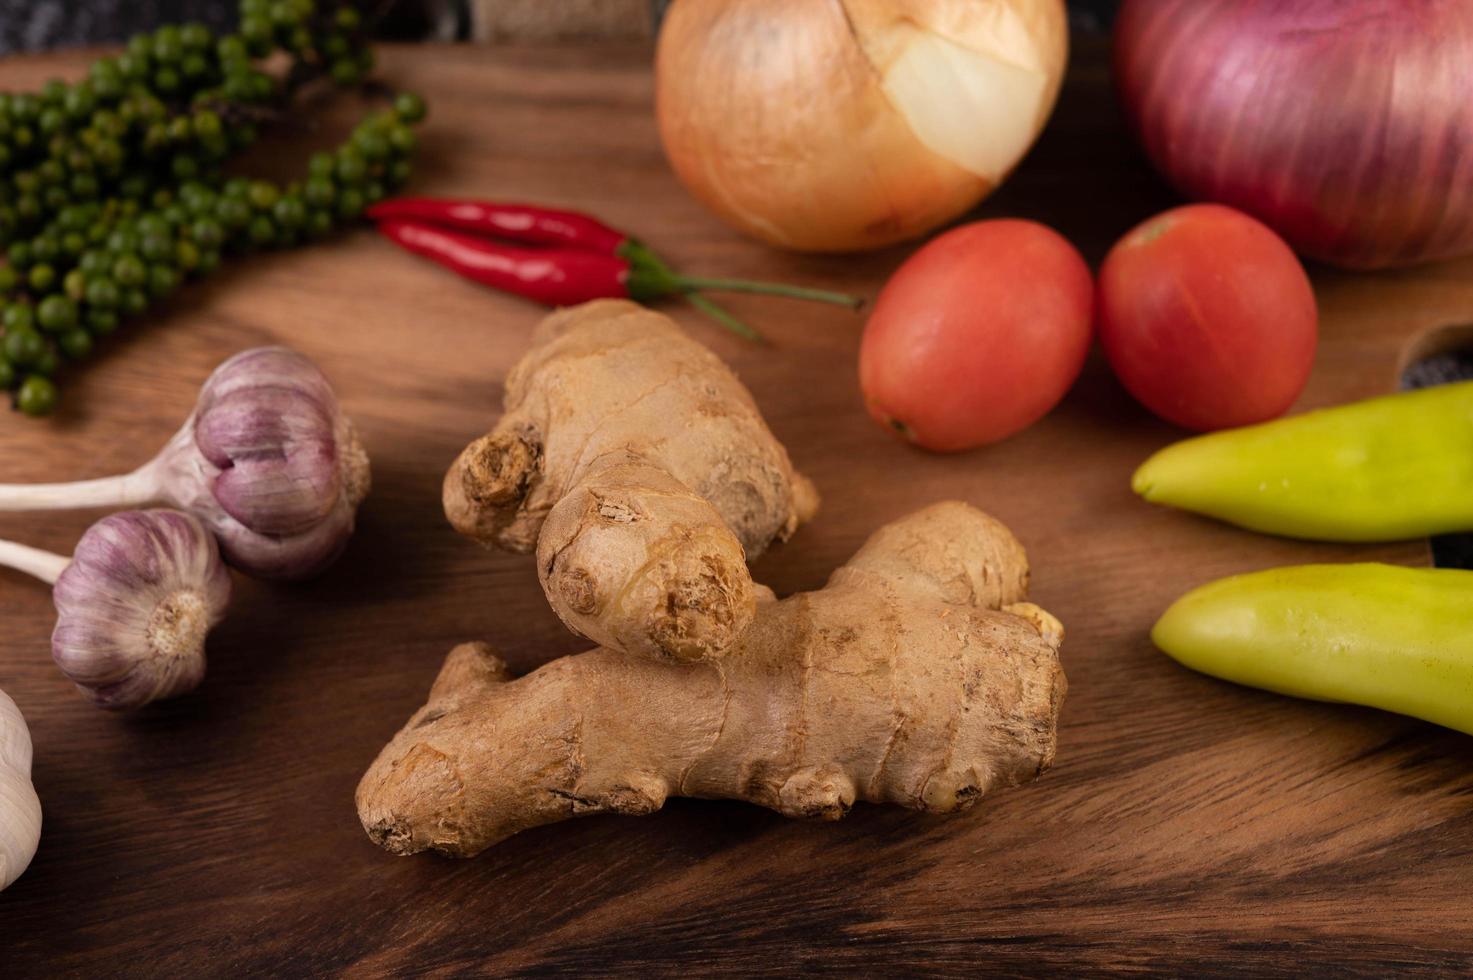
(1380, 470)
(1379, 635)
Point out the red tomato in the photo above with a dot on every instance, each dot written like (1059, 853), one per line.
(977, 335)
(1207, 317)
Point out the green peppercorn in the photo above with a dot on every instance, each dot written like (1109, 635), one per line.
(263, 195)
(18, 316)
(373, 145)
(319, 192)
(167, 80)
(48, 363)
(263, 86)
(206, 124)
(134, 302)
(37, 396)
(186, 256)
(75, 344)
(194, 66)
(56, 313)
(351, 167)
(195, 36)
(350, 203)
(122, 241)
(102, 322)
(261, 231)
(233, 212)
(151, 224)
(23, 347)
(231, 48)
(102, 293)
(289, 213)
(74, 284)
(51, 120)
(345, 71)
(9, 279)
(409, 107)
(319, 224)
(41, 277)
(321, 165)
(129, 270)
(7, 374)
(403, 140)
(162, 280)
(155, 248)
(168, 45)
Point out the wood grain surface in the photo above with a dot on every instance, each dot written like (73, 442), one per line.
(1189, 826)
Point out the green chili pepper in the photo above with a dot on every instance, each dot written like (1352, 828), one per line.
(1388, 637)
(1380, 470)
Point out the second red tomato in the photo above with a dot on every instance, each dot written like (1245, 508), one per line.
(1207, 318)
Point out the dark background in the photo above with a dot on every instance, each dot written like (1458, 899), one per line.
(35, 25)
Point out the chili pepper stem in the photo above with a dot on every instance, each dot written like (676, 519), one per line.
(690, 284)
(650, 275)
(724, 318)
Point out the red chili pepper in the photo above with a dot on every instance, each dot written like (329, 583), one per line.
(514, 222)
(555, 276)
(590, 260)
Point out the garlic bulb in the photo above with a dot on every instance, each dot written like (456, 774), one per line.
(270, 464)
(267, 460)
(20, 810)
(835, 125)
(134, 606)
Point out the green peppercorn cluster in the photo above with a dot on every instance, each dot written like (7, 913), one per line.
(112, 190)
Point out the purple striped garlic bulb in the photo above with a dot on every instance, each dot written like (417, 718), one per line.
(134, 604)
(266, 460)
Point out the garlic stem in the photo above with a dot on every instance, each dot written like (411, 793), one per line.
(134, 489)
(44, 565)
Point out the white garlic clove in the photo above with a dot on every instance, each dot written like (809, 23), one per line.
(20, 809)
(134, 607)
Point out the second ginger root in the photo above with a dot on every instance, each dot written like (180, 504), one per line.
(637, 465)
(917, 676)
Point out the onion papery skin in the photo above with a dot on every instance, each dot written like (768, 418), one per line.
(820, 126)
(1344, 125)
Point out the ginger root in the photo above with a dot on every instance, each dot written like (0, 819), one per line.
(918, 676)
(639, 468)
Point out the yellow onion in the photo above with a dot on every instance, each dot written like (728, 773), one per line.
(837, 125)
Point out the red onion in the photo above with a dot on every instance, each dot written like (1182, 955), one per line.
(1345, 125)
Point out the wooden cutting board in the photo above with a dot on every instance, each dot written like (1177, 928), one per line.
(1188, 825)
